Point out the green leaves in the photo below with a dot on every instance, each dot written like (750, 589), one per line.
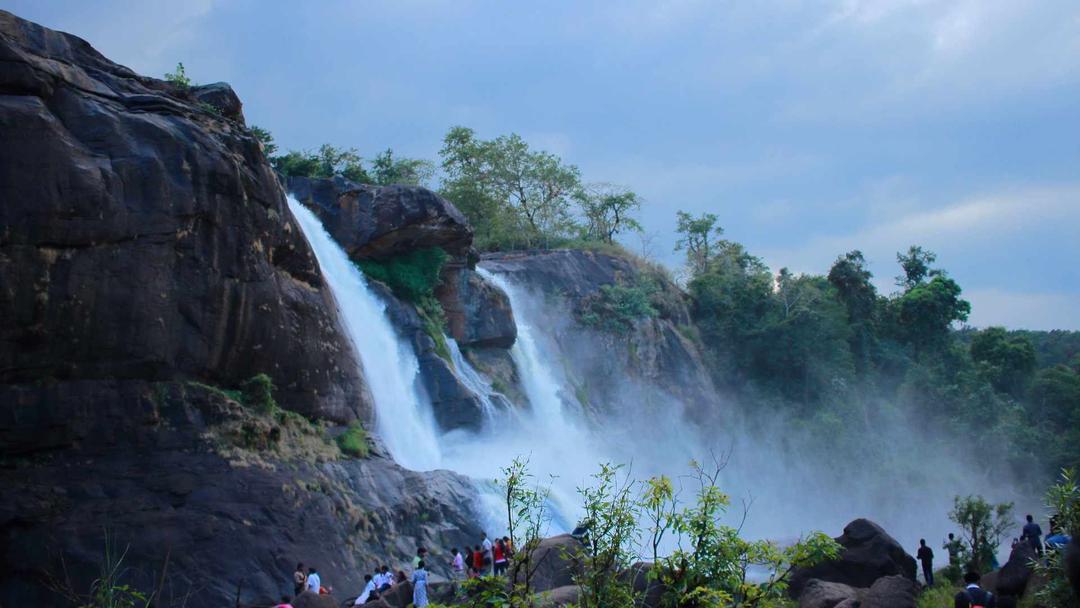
(982, 524)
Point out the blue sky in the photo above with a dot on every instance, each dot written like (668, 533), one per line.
(809, 128)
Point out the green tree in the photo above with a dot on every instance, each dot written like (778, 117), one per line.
(1006, 361)
(916, 266)
(527, 519)
(699, 237)
(982, 524)
(608, 211)
(328, 161)
(927, 311)
(611, 512)
(851, 279)
(1063, 499)
(387, 170)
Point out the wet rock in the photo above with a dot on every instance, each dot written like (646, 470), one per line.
(1013, 577)
(308, 599)
(478, 313)
(554, 564)
(869, 554)
(1072, 562)
(380, 222)
(221, 97)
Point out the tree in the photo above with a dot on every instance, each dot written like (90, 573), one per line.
(607, 210)
(527, 518)
(927, 310)
(511, 193)
(851, 279)
(1006, 361)
(265, 139)
(916, 266)
(328, 161)
(611, 513)
(1063, 499)
(387, 170)
(982, 524)
(699, 238)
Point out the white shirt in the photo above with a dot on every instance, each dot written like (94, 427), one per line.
(487, 546)
(368, 588)
(314, 582)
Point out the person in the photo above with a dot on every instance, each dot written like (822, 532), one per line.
(369, 589)
(400, 577)
(314, 581)
(383, 579)
(299, 579)
(974, 596)
(419, 581)
(499, 555)
(1033, 533)
(926, 556)
(286, 601)
(954, 547)
(457, 566)
(421, 553)
(477, 561)
(509, 547)
(488, 557)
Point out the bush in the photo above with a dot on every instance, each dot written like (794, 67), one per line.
(940, 596)
(179, 77)
(257, 393)
(354, 441)
(615, 308)
(412, 276)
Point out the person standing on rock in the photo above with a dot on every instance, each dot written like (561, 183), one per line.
(1033, 533)
(418, 559)
(419, 581)
(499, 554)
(477, 561)
(299, 579)
(314, 581)
(974, 596)
(926, 557)
(457, 566)
(954, 547)
(489, 558)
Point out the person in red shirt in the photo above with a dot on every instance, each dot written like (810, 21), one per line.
(499, 554)
(477, 561)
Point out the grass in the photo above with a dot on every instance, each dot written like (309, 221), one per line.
(940, 596)
(354, 441)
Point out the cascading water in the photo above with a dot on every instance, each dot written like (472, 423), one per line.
(473, 380)
(402, 420)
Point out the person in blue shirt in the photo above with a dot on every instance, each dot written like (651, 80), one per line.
(314, 582)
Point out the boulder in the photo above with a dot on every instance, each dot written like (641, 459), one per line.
(399, 596)
(221, 97)
(650, 591)
(307, 599)
(823, 594)
(553, 563)
(1013, 577)
(380, 222)
(848, 603)
(478, 312)
(894, 591)
(869, 553)
(1072, 562)
(558, 597)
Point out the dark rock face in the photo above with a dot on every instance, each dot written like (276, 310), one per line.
(891, 592)
(379, 222)
(559, 597)
(478, 313)
(454, 405)
(1013, 577)
(554, 563)
(823, 594)
(144, 238)
(152, 473)
(654, 355)
(308, 599)
(145, 244)
(1072, 562)
(869, 554)
(222, 98)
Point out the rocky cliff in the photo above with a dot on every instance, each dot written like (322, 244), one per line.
(147, 257)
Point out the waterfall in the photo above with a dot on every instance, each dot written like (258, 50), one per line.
(403, 420)
(473, 380)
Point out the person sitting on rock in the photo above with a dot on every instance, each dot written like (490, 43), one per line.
(314, 581)
(974, 596)
(419, 581)
(299, 579)
(369, 592)
(926, 557)
(384, 579)
(1033, 533)
(400, 577)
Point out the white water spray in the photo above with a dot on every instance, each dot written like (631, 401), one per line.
(402, 420)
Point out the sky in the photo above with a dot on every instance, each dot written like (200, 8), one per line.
(809, 128)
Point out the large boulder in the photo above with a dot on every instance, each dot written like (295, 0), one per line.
(554, 563)
(221, 97)
(650, 591)
(399, 596)
(144, 238)
(478, 312)
(558, 597)
(307, 599)
(380, 222)
(891, 592)
(823, 594)
(1013, 577)
(869, 553)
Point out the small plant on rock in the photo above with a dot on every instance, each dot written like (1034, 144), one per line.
(354, 441)
(179, 77)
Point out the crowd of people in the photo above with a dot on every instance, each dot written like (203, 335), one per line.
(973, 594)
(485, 559)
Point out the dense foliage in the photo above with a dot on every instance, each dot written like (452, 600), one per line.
(845, 360)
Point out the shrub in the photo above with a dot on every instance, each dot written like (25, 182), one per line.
(354, 441)
(179, 77)
(614, 308)
(257, 393)
(411, 276)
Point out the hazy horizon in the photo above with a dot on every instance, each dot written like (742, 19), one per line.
(809, 130)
